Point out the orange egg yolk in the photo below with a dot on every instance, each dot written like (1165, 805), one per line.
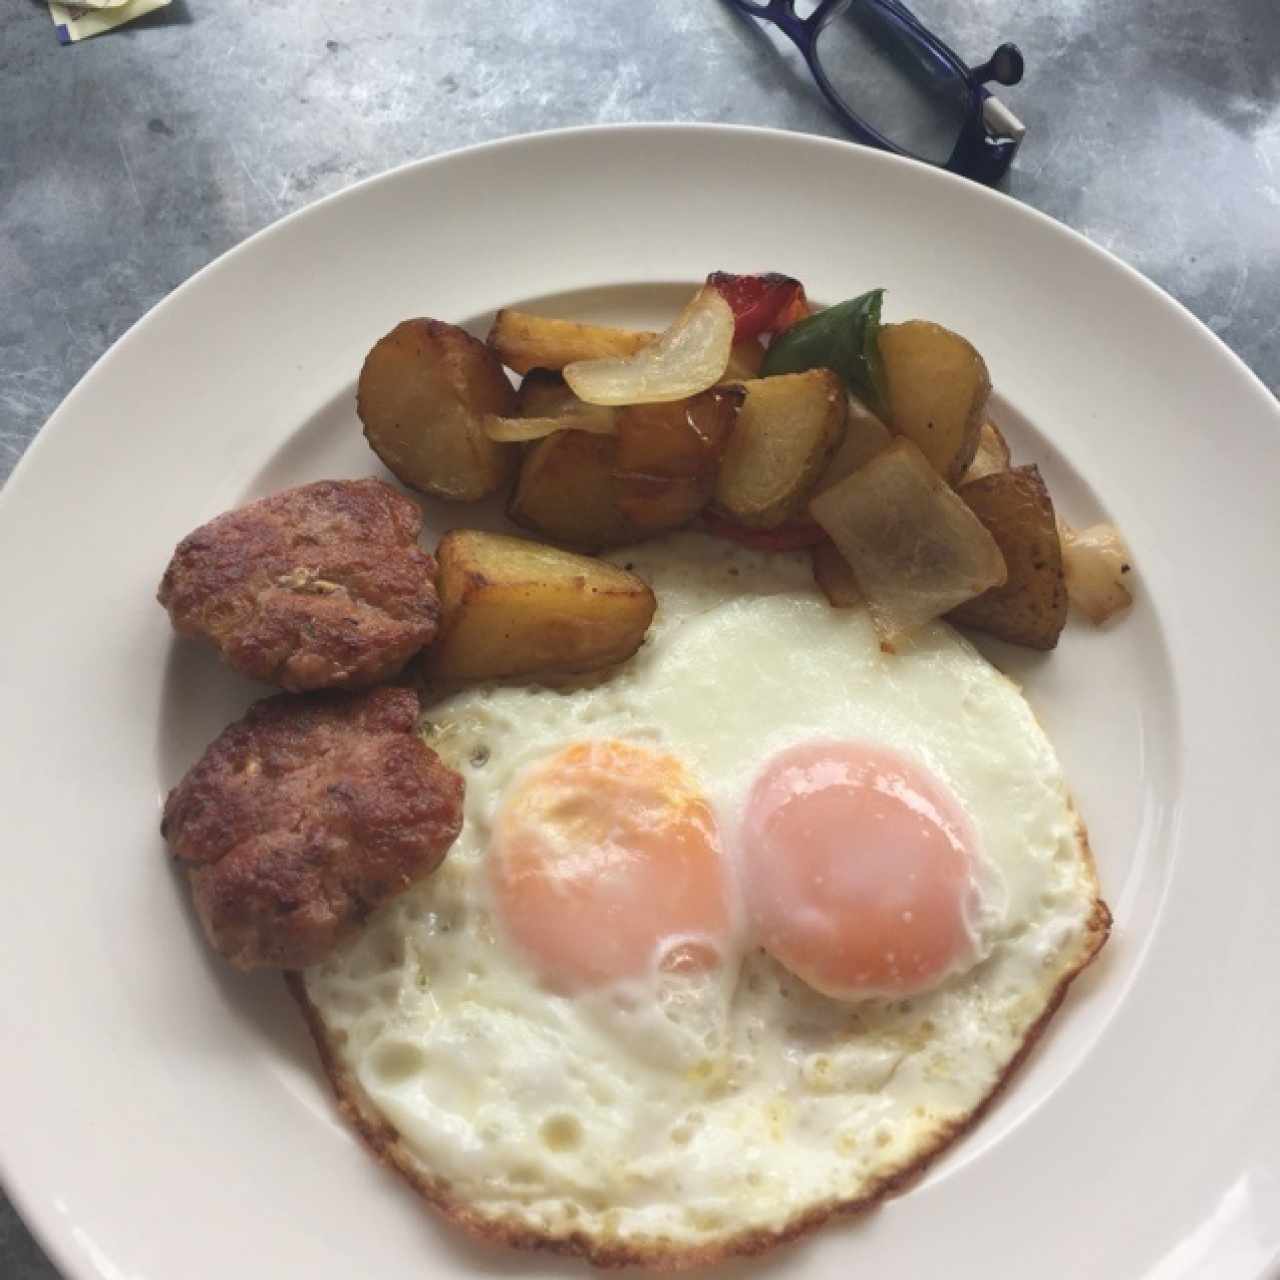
(859, 871)
(606, 862)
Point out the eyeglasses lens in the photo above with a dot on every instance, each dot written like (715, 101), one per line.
(892, 82)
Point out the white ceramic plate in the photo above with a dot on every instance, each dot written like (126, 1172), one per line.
(160, 1117)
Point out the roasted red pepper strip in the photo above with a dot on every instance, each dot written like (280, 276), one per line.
(797, 309)
(795, 536)
(761, 304)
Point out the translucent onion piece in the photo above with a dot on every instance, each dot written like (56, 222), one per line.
(596, 419)
(915, 548)
(1098, 568)
(688, 358)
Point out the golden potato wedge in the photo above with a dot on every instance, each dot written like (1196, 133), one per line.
(654, 474)
(515, 608)
(571, 490)
(993, 454)
(543, 393)
(1030, 607)
(834, 576)
(566, 491)
(915, 548)
(678, 438)
(786, 431)
(523, 341)
(937, 387)
(665, 464)
(423, 394)
(658, 504)
(864, 436)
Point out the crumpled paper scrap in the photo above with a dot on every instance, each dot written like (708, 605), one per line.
(88, 18)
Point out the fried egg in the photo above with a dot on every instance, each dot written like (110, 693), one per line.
(733, 937)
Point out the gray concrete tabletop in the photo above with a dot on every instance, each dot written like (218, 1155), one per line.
(131, 160)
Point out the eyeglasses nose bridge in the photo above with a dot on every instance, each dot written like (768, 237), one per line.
(787, 9)
(783, 12)
(819, 15)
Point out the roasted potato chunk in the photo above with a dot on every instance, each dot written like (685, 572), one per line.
(658, 504)
(567, 492)
(834, 577)
(543, 394)
(665, 465)
(1030, 608)
(653, 475)
(523, 341)
(423, 395)
(678, 438)
(516, 608)
(915, 548)
(992, 456)
(937, 387)
(864, 436)
(786, 431)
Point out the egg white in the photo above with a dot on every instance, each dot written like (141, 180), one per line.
(678, 1115)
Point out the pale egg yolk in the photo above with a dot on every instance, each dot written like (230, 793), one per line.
(606, 863)
(859, 871)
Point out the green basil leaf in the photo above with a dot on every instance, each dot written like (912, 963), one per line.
(845, 338)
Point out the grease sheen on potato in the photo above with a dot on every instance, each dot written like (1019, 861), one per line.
(511, 607)
(423, 395)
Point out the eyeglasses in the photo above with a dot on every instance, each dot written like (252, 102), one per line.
(885, 75)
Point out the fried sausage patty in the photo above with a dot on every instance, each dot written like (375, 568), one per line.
(304, 816)
(322, 586)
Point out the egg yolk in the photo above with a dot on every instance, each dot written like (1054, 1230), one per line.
(606, 862)
(859, 871)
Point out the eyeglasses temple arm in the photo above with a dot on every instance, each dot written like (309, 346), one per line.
(1005, 66)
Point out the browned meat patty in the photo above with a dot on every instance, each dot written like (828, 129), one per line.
(306, 815)
(323, 586)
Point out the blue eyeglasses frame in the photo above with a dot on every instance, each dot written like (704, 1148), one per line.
(990, 134)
